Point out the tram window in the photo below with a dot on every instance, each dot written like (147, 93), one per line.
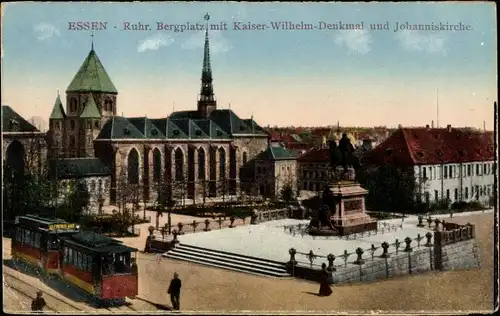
(66, 255)
(19, 235)
(70, 258)
(37, 240)
(27, 237)
(78, 262)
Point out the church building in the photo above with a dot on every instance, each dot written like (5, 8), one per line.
(197, 153)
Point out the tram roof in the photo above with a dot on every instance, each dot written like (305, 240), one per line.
(98, 243)
(42, 220)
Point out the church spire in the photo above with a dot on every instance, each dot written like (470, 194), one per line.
(92, 44)
(206, 101)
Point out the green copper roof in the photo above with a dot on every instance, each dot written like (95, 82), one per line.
(58, 110)
(120, 128)
(90, 110)
(91, 77)
(276, 153)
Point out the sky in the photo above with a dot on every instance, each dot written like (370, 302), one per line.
(282, 77)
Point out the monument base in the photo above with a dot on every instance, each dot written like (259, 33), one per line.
(356, 228)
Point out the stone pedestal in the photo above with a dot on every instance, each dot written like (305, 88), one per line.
(349, 214)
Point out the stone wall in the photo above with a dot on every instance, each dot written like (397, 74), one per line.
(453, 248)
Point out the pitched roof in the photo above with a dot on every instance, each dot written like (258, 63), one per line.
(315, 155)
(323, 131)
(276, 153)
(90, 110)
(92, 77)
(13, 122)
(57, 110)
(226, 119)
(428, 146)
(147, 127)
(71, 168)
(273, 135)
(119, 127)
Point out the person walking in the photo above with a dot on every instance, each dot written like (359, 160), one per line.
(324, 288)
(38, 304)
(175, 291)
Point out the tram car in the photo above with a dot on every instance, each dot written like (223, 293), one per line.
(36, 241)
(101, 266)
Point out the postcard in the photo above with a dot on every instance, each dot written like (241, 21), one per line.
(247, 157)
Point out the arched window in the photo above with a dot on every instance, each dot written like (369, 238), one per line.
(156, 165)
(15, 160)
(179, 165)
(245, 158)
(72, 105)
(222, 163)
(201, 164)
(133, 167)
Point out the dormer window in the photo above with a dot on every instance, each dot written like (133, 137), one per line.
(14, 125)
(154, 132)
(176, 132)
(198, 133)
(126, 131)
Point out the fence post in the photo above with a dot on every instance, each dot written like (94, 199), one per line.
(359, 252)
(420, 219)
(331, 259)
(408, 244)
(385, 253)
(428, 236)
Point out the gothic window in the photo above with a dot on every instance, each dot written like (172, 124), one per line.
(133, 167)
(466, 192)
(96, 124)
(72, 124)
(201, 164)
(179, 164)
(222, 162)
(156, 165)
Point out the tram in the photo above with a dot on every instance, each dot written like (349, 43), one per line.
(36, 241)
(101, 266)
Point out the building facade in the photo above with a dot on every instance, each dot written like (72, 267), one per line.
(270, 171)
(447, 164)
(312, 168)
(196, 153)
(24, 147)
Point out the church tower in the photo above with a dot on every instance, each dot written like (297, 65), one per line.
(206, 100)
(92, 94)
(56, 135)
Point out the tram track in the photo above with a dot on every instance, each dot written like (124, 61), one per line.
(29, 291)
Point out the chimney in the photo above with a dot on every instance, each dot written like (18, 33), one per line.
(427, 126)
(448, 127)
(432, 124)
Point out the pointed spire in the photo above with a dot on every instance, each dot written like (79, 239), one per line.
(92, 44)
(90, 110)
(207, 90)
(58, 109)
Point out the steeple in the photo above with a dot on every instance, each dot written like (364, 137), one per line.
(206, 100)
(58, 109)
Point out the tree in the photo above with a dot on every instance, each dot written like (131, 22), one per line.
(389, 188)
(76, 202)
(164, 201)
(287, 193)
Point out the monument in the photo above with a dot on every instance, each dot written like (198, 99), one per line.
(343, 210)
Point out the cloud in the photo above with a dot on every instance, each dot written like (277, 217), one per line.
(45, 31)
(356, 41)
(421, 42)
(218, 44)
(154, 42)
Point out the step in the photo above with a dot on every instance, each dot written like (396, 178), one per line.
(230, 253)
(260, 270)
(230, 256)
(227, 259)
(228, 267)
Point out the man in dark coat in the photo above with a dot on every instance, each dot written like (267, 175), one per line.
(38, 304)
(175, 291)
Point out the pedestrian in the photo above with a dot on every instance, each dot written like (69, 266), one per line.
(324, 288)
(175, 291)
(38, 304)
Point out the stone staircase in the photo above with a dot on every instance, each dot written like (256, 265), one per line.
(227, 260)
